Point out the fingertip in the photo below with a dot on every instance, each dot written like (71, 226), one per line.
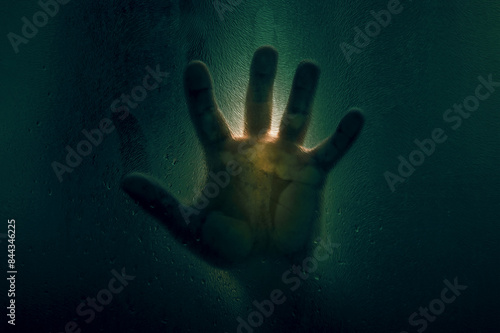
(353, 122)
(267, 48)
(307, 75)
(133, 182)
(196, 64)
(197, 76)
(265, 60)
(310, 65)
(357, 112)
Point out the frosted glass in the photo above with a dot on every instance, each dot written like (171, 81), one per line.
(396, 247)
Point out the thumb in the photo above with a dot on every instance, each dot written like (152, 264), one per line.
(152, 196)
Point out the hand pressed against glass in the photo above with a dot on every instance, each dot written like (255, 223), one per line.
(263, 193)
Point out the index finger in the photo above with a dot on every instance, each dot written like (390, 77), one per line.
(208, 121)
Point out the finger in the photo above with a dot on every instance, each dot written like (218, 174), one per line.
(259, 100)
(332, 149)
(210, 124)
(132, 143)
(183, 222)
(296, 117)
(156, 200)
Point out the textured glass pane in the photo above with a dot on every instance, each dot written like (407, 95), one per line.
(414, 209)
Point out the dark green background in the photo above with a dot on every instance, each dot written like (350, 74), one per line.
(396, 248)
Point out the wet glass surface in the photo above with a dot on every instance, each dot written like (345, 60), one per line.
(399, 241)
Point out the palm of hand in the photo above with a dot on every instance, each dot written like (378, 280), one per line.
(262, 193)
